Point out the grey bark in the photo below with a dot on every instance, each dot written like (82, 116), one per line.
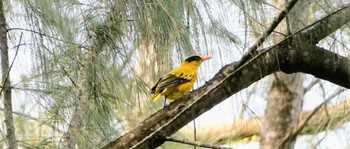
(77, 122)
(7, 99)
(282, 111)
(284, 100)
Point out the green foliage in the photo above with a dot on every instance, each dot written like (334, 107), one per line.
(125, 36)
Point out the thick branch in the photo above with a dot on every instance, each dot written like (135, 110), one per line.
(326, 26)
(289, 57)
(319, 62)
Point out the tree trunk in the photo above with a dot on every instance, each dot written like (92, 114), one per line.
(69, 139)
(6, 84)
(282, 111)
(286, 93)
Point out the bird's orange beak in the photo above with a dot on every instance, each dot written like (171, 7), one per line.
(204, 58)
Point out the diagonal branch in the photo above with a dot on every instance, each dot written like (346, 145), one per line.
(307, 119)
(253, 49)
(10, 67)
(326, 26)
(196, 143)
(53, 127)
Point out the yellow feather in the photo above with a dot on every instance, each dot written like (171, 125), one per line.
(156, 97)
(180, 81)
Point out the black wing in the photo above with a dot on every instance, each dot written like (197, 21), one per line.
(167, 81)
(153, 89)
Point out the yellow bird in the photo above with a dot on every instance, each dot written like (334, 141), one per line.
(179, 81)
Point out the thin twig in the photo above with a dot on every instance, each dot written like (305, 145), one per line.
(35, 119)
(13, 60)
(242, 64)
(194, 132)
(196, 143)
(69, 77)
(311, 85)
(306, 120)
(303, 124)
(247, 15)
(48, 36)
(253, 49)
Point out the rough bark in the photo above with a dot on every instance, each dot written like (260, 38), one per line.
(292, 56)
(282, 111)
(77, 122)
(7, 99)
(284, 100)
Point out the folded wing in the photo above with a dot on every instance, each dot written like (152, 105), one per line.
(170, 80)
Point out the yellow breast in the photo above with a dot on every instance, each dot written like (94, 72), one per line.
(181, 90)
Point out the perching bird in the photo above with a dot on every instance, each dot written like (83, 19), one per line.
(179, 81)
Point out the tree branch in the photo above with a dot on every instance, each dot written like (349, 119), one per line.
(327, 25)
(53, 127)
(10, 67)
(196, 143)
(252, 50)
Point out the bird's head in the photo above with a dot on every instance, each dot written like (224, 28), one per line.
(195, 60)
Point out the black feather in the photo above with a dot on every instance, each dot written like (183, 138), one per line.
(167, 81)
(153, 89)
(193, 58)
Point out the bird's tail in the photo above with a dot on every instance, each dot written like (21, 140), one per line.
(155, 97)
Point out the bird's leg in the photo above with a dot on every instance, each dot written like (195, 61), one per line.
(165, 103)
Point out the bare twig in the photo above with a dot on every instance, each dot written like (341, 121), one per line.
(35, 119)
(303, 124)
(48, 36)
(194, 132)
(311, 85)
(196, 143)
(13, 60)
(247, 15)
(253, 49)
(306, 120)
